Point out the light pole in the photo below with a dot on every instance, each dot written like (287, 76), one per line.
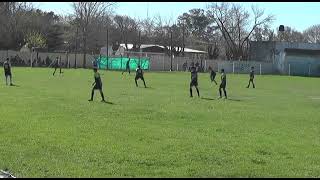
(183, 32)
(107, 46)
(76, 49)
(140, 48)
(171, 49)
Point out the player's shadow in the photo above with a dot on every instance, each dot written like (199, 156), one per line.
(145, 87)
(234, 99)
(107, 102)
(208, 99)
(15, 85)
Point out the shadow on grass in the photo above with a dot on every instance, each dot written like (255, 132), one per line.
(145, 87)
(209, 99)
(104, 102)
(233, 99)
(15, 85)
(109, 103)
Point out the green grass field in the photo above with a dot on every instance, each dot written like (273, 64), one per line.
(49, 129)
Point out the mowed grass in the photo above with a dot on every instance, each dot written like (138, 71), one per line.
(49, 129)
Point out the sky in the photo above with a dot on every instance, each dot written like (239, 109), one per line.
(298, 15)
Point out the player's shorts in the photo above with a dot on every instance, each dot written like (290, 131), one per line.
(97, 86)
(223, 85)
(139, 77)
(194, 82)
(7, 73)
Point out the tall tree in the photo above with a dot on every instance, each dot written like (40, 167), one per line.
(233, 21)
(128, 28)
(55, 39)
(200, 34)
(86, 13)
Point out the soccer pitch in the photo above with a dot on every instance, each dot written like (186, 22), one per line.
(49, 129)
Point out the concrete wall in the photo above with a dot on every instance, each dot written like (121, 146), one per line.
(262, 51)
(65, 58)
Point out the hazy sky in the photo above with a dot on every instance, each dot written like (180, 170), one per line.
(298, 15)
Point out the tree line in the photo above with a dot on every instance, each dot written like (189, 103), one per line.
(222, 29)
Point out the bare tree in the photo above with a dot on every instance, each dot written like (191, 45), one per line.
(290, 35)
(263, 34)
(86, 13)
(128, 29)
(233, 21)
(312, 34)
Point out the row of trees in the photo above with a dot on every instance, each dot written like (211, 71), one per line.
(222, 29)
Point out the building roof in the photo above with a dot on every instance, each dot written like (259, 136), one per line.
(143, 46)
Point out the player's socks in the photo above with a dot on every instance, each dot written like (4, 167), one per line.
(198, 92)
(191, 92)
(101, 93)
(92, 93)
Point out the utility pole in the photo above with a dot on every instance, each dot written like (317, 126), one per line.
(76, 50)
(139, 47)
(171, 49)
(107, 47)
(183, 40)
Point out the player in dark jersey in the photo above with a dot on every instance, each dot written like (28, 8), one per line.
(127, 66)
(139, 75)
(223, 84)
(7, 71)
(212, 75)
(251, 77)
(194, 79)
(57, 64)
(97, 85)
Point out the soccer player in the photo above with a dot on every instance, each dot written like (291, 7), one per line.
(97, 85)
(139, 75)
(127, 66)
(194, 79)
(212, 75)
(223, 84)
(57, 64)
(251, 77)
(7, 71)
